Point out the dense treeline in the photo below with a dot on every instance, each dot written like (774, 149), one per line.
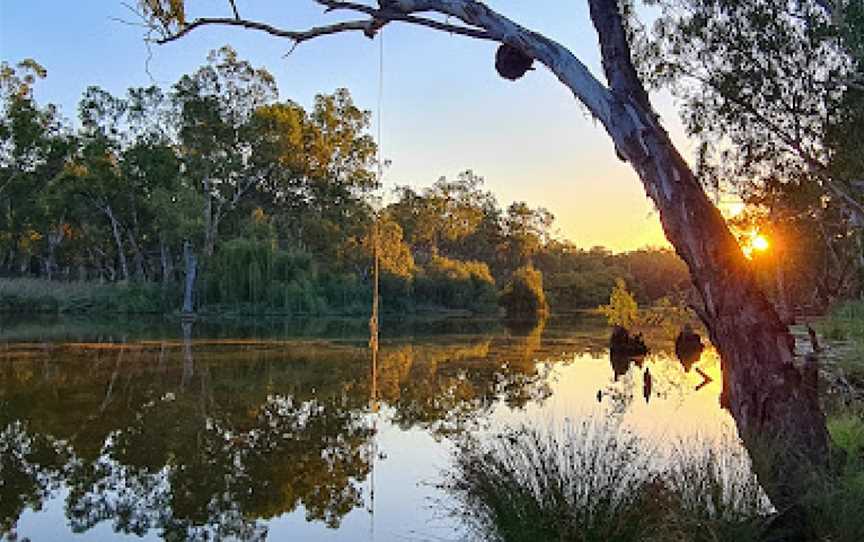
(216, 193)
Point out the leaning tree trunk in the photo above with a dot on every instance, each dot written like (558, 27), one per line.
(772, 405)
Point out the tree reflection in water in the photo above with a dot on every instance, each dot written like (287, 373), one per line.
(197, 439)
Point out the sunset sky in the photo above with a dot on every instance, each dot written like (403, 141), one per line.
(445, 108)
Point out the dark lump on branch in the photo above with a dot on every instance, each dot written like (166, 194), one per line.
(512, 63)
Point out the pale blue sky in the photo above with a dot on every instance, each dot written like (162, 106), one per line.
(445, 108)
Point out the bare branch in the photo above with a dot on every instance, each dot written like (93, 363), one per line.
(479, 22)
(296, 36)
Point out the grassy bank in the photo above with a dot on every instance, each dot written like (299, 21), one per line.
(595, 481)
(843, 329)
(30, 296)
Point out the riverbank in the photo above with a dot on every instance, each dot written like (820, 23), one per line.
(38, 296)
(601, 482)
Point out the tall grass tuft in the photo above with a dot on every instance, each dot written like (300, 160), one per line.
(595, 481)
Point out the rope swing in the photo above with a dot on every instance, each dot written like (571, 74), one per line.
(374, 322)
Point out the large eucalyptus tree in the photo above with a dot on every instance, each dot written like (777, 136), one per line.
(768, 396)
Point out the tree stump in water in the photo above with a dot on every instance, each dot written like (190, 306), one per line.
(688, 347)
(623, 343)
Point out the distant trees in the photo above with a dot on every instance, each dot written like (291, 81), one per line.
(33, 149)
(576, 279)
(273, 200)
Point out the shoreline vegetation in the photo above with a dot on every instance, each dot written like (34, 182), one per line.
(596, 481)
(252, 278)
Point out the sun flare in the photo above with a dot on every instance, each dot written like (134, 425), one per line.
(755, 242)
(759, 243)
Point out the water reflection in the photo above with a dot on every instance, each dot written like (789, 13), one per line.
(197, 438)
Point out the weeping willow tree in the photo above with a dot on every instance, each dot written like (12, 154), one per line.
(255, 274)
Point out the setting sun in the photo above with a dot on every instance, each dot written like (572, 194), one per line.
(759, 243)
(754, 242)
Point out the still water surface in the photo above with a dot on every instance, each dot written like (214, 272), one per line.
(112, 431)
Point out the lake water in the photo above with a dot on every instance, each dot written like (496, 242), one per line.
(123, 430)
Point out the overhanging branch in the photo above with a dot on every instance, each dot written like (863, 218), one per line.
(479, 21)
(377, 19)
(294, 35)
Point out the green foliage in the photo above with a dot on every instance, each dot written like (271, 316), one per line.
(847, 433)
(835, 505)
(583, 279)
(523, 297)
(845, 322)
(153, 171)
(253, 276)
(622, 309)
(455, 284)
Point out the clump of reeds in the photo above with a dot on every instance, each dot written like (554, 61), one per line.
(595, 480)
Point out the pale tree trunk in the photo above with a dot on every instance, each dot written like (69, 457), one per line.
(54, 238)
(118, 241)
(165, 260)
(137, 258)
(191, 273)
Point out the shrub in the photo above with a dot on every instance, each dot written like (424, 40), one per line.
(622, 309)
(523, 297)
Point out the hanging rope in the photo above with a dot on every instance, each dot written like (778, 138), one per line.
(374, 318)
(380, 142)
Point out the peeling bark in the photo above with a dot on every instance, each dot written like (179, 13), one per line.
(766, 393)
